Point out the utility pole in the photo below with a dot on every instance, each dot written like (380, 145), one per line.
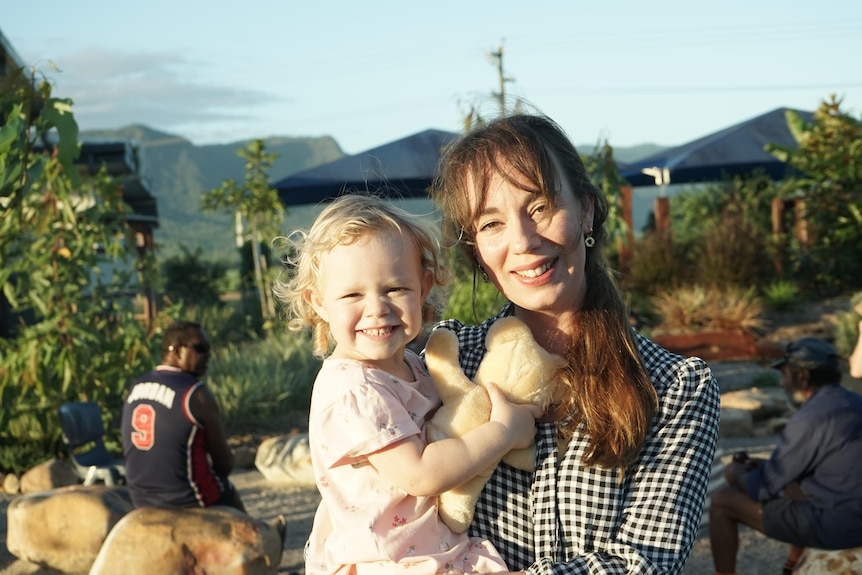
(497, 58)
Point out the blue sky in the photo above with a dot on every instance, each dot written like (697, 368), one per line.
(367, 73)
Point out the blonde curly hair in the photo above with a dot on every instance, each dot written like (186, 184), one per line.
(346, 220)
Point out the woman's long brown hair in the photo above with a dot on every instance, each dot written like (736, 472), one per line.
(604, 384)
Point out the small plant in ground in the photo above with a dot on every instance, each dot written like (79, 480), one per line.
(781, 295)
(693, 309)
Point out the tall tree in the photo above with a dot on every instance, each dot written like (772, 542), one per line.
(67, 264)
(256, 205)
(829, 157)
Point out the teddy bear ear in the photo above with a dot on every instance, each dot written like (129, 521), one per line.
(507, 329)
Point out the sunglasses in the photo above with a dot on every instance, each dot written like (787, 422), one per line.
(200, 347)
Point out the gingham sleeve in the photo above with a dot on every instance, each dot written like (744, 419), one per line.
(566, 518)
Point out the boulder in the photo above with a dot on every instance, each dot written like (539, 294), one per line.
(48, 475)
(761, 403)
(829, 562)
(11, 484)
(214, 540)
(64, 528)
(286, 459)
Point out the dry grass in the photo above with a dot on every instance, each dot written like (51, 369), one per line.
(692, 309)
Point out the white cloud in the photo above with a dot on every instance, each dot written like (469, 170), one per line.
(163, 90)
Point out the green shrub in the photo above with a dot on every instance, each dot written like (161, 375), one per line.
(18, 457)
(191, 277)
(692, 309)
(469, 298)
(266, 383)
(471, 305)
(656, 264)
(732, 252)
(74, 331)
(229, 322)
(781, 295)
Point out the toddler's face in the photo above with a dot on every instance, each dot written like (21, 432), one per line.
(371, 294)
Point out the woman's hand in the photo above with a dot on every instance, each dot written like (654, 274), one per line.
(518, 419)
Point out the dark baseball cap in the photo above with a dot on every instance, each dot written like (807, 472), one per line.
(810, 353)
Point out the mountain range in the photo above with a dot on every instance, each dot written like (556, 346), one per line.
(179, 172)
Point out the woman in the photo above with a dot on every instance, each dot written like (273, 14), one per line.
(624, 460)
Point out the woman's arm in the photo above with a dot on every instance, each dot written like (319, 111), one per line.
(429, 469)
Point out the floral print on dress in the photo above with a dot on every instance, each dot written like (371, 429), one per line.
(388, 428)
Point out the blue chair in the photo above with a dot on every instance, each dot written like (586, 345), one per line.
(83, 435)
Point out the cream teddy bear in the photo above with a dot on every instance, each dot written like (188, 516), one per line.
(522, 370)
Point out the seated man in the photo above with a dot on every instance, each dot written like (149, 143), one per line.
(809, 492)
(174, 444)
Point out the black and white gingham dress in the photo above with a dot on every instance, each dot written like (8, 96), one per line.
(566, 518)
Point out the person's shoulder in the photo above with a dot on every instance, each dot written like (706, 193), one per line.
(668, 368)
(341, 368)
(471, 335)
(836, 395)
(168, 376)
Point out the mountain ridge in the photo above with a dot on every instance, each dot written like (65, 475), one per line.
(179, 172)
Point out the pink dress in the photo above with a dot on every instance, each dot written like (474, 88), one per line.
(365, 524)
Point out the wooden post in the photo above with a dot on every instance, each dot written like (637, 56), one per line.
(662, 217)
(624, 244)
(778, 231)
(803, 233)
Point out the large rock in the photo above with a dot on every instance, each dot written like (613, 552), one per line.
(48, 475)
(64, 528)
(214, 540)
(286, 459)
(829, 562)
(762, 403)
(11, 484)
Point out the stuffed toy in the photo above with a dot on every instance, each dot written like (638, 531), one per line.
(522, 370)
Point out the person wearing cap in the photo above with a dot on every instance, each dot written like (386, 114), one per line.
(809, 492)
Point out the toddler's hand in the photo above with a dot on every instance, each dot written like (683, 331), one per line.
(518, 419)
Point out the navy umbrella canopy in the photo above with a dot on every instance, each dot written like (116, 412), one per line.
(404, 168)
(736, 150)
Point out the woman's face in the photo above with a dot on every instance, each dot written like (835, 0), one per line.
(534, 254)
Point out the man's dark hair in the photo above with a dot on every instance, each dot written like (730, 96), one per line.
(177, 334)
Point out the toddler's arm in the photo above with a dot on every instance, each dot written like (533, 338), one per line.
(430, 469)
